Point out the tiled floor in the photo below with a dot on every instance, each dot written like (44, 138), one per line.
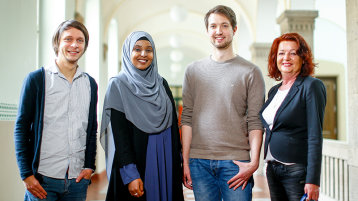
(98, 188)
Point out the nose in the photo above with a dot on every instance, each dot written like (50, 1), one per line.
(287, 56)
(218, 30)
(74, 44)
(143, 53)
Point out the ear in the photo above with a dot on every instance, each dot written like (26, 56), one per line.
(234, 30)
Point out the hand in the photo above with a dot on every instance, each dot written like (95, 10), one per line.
(312, 191)
(136, 188)
(85, 173)
(34, 187)
(246, 170)
(186, 177)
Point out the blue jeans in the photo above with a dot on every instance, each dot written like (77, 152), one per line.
(210, 179)
(286, 182)
(61, 189)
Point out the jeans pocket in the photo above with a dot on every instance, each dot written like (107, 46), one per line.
(44, 181)
(87, 181)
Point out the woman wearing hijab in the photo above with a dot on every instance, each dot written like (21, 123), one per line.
(140, 129)
(293, 117)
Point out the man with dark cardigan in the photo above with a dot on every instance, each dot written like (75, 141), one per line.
(56, 127)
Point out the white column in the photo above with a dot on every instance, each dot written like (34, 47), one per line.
(352, 82)
(93, 53)
(94, 63)
(51, 14)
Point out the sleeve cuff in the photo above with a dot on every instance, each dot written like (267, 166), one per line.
(129, 173)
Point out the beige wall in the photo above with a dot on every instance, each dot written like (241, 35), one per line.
(18, 37)
(11, 187)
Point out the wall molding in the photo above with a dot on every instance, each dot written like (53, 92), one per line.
(8, 112)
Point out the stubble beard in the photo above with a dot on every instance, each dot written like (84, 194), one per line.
(222, 46)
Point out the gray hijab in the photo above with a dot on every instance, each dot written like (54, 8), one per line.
(139, 94)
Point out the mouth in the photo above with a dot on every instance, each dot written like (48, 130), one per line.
(287, 64)
(73, 52)
(219, 38)
(142, 61)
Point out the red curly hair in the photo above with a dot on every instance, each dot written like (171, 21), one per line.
(304, 52)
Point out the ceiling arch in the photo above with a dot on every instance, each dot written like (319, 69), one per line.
(129, 13)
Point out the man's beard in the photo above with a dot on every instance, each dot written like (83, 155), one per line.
(222, 45)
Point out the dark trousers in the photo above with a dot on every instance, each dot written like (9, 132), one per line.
(286, 182)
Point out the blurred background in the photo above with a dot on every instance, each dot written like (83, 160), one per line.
(177, 27)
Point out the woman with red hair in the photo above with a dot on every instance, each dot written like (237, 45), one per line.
(293, 117)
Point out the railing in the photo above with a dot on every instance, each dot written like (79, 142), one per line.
(335, 171)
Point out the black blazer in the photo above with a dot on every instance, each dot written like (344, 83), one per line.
(296, 135)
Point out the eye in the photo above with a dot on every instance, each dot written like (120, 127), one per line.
(67, 39)
(149, 50)
(281, 53)
(293, 54)
(136, 49)
(81, 40)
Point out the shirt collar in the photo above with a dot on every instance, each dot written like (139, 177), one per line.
(53, 68)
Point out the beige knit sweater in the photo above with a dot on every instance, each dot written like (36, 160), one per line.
(221, 102)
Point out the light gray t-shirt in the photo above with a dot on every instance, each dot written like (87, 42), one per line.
(221, 102)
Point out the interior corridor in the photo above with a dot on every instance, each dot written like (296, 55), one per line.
(177, 27)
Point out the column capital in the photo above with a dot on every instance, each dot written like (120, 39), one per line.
(297, 16)
(299, 21)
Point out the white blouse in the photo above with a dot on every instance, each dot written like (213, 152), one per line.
(269, 115)
(270, 111)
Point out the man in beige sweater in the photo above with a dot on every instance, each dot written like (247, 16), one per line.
(222, 97)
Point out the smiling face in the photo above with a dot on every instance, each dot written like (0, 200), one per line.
(220, 31)
(142, 54)
(288, 61)
(71, 46)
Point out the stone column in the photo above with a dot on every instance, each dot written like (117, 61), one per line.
(259, 54)
(299, 21)
(352, 74)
